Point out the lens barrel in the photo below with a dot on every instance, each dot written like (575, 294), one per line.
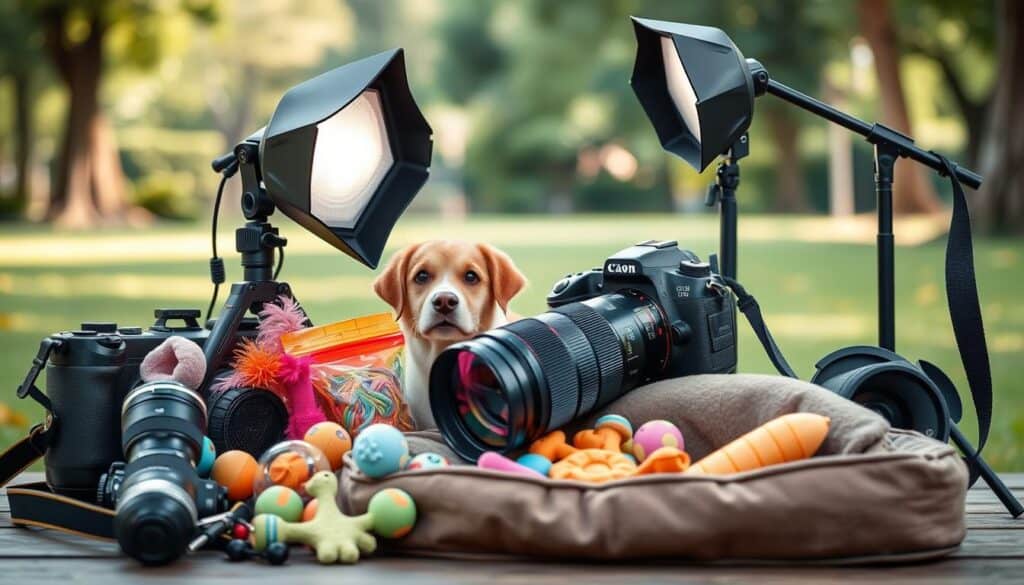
(162, 434)
(511, 385)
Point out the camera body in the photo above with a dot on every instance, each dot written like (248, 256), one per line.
(652, 311)
(89, 373)
(697, 306)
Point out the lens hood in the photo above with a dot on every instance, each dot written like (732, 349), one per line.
(890, 385)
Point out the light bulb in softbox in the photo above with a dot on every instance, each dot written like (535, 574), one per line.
(345, 153)
(351, 157)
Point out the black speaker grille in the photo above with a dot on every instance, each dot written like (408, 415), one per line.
(249, 419)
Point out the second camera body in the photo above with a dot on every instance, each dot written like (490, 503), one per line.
(89, 373)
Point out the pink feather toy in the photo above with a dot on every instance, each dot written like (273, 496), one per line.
(264, 364)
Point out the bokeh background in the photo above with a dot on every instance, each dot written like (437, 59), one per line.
(110, 112)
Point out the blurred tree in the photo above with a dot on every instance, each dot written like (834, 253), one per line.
(963, 39)
(89, 182)
(259, 43)
(548, 84)
(778, 34)
(19, 51)
(1001, 199)
(960, 37)
(539, 103)
(913, 191)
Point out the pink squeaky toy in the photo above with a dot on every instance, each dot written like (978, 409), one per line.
(498, 462)
(301, 399)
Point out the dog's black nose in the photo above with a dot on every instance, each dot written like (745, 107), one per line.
(445, 302)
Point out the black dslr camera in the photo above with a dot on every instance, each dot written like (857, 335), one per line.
(653, 311)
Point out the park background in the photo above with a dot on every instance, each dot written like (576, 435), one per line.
(110, 112)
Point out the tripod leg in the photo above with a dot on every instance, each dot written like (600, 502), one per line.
(1013, 506)
(244, 297)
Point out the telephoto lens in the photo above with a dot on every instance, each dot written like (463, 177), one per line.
(160, 496)
(510, 385)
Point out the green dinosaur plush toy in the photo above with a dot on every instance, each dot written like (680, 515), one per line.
(334, 536)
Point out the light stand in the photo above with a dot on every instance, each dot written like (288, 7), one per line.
(250, 419)
(889, 146)
(723, 193)
(258, 243)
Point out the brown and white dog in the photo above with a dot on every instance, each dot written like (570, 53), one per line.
(444, 291)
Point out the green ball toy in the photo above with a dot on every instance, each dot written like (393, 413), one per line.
(280, 501)
(393, 512)
(266, 530)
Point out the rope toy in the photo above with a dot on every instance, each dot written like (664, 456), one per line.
(359, 397)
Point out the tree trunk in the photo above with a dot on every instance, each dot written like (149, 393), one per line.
(912, 190)
(840, 159)
(790, 191)
(23, 138)
(89, 184)
(999, 205)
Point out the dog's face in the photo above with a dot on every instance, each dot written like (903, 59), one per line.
(446, 290)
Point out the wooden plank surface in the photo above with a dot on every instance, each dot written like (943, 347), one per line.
(992, 552)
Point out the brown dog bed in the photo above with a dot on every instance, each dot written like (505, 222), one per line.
(872, 494)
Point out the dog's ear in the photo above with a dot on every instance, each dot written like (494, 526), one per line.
(390, 285)
(506, 280)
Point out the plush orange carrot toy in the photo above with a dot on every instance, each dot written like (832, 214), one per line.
(787, 438)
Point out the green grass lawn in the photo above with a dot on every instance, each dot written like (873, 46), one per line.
(817, 296)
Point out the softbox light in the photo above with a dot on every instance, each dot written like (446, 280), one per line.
(695, 87)
(345, 153)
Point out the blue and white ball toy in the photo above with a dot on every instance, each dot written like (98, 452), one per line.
(379, 450)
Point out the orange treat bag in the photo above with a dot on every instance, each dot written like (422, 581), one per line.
(357, 370)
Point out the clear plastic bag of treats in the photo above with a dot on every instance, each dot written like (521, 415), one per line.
(356, 370)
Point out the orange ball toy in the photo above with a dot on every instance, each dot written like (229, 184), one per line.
(289, 469)
(330, 438)
(310, 510)
(235, 470)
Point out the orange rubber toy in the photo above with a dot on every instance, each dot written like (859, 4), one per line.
(552, 446)
(664, 460)
(594, 466)
(787, 438)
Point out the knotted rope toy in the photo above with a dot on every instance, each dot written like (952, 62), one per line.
(334, 536)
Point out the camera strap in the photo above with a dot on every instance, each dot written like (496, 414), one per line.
(748, 305)
(965, 313)
(34, 504)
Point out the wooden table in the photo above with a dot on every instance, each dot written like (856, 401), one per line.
(992, 552)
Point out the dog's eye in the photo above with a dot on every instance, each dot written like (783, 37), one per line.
(471, 277)
(422, 277)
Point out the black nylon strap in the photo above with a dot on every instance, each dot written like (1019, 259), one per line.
(25, 452)
(33, 504)
(752, 311)
(965, 313)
